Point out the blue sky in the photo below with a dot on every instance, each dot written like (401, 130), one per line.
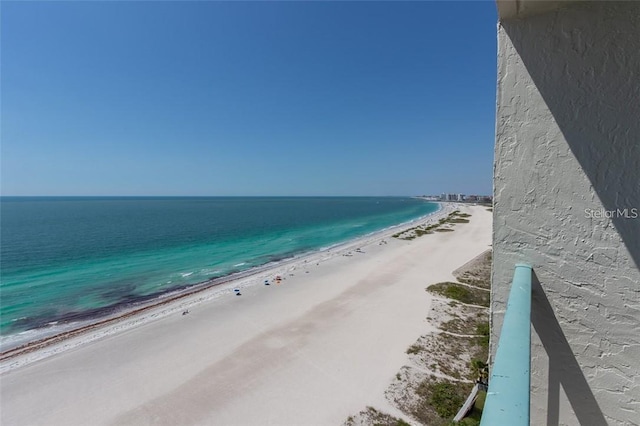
(249, 98)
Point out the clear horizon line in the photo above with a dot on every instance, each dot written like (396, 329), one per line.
(200, 196)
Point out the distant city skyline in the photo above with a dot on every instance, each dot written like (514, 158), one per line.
(247, 98)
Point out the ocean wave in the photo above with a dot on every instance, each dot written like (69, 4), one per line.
(10, 341)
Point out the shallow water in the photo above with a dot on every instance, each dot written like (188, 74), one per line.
(65, 259)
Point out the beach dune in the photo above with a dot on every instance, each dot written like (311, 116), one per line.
(320, 346)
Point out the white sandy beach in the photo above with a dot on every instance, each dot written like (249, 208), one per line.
(320, 346)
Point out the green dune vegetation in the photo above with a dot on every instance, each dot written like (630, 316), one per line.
(462, 293)
(444, 364)
(445, 224)
(371, 416)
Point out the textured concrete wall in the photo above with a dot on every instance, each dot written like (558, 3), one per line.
(568, 150)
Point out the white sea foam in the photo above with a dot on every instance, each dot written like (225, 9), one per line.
(11, 341)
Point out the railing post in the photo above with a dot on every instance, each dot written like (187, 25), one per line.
(507, 402)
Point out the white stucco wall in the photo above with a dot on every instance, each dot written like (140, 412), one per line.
(568, 148)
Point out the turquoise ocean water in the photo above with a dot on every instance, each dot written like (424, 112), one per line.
(76, 258)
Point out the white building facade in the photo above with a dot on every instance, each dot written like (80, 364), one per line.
(567, 202)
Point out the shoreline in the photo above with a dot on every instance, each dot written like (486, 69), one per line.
(313, 349)
(172, 301)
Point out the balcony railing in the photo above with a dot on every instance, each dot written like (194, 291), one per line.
(507, 402)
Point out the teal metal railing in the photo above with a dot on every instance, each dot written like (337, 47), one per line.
(507, 402)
